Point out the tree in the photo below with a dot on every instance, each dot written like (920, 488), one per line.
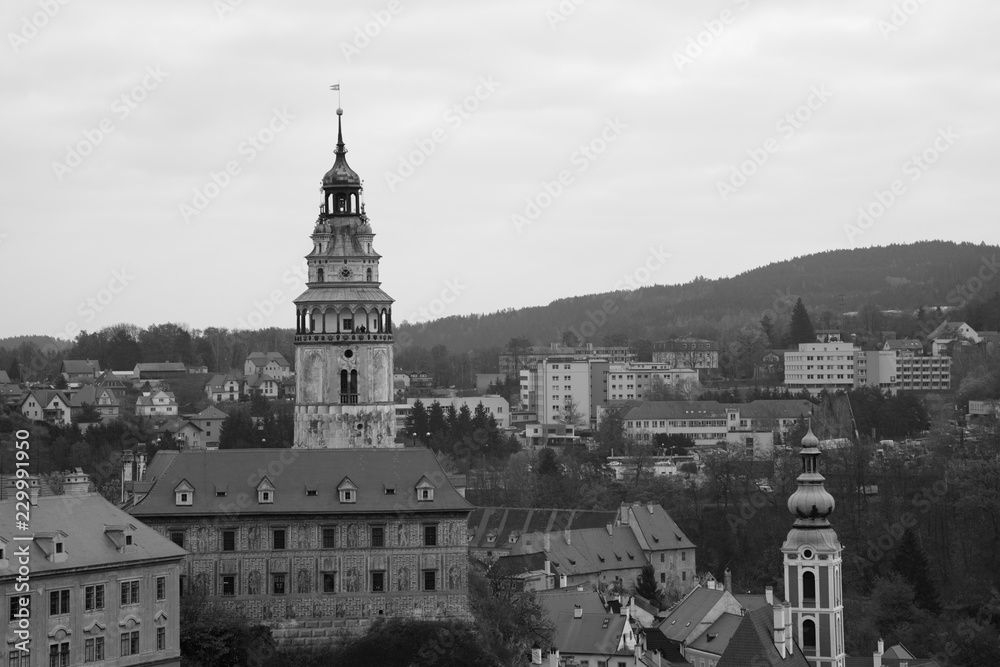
(509, 618)
(417, 424)
(61, 382)
(570, 339)
(88, 414)
(548, 466)
(572, 416)
(801, 328)
(645, 584)
(911, 562)
(238, 432)
(213, 635)
(517, 347)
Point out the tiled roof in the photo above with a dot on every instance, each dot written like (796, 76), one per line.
(43, 397)
(591, 634)
(903, 344)
(83, 520)
(716, 638)
(161, 367)
(558, 601)
(322, 470)
(148, 400)
(211, 412)
(77, 366)
(344, 294)
(520, 564)
(769, 408)
(753, 644)
(689, 613)
(91, 394)
(4, 378)
(217, 382)
(659, 531)
(590, 550)
(504, 521)
(262, 358)
(895, 656)
(657, 641)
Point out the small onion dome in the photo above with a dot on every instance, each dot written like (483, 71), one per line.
(811, 503)
(365, 228)
(340, 173)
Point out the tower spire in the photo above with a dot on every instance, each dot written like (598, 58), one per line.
(340, 134)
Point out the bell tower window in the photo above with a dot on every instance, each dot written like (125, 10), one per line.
(319, 275)
(341, 204)
(368, 275)
(348, 387)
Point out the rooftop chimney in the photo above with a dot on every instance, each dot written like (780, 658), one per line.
(729, 581)
(553, 657)
(877, 656)
(779, 629)
(769, 594)
(547, 541)
(76, 483)
(611, 531)
(536, 655)
(577, 611)
(567, 536)
(649, 506)
(789, 641)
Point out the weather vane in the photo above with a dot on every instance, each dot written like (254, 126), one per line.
(336, 87)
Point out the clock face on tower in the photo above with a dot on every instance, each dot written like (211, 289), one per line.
(345, 273)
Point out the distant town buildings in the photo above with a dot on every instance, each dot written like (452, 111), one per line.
(688, 352)
(272, 364)
(511, 364)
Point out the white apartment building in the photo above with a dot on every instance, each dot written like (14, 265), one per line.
(818, 366)
(634, 381)
(554, 383)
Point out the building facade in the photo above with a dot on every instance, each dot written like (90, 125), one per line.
(313, 535)
(818, 366)
(687, 353)
(555, 384)
(103, 587)
(512, 364)
(343, 331)
(634, 381)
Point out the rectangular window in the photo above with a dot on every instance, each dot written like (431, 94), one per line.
(329, 538)
(59, 655)
(662, 557)
(229, 585)
(129, 592)
(378, 582)
(229, 540)
(430, 536)
(329, 582)
(278, 538)
(378, 536)
(58, 602)
(429, 580)
(161, 639)
(663, 577)
(93, 597)
(161, 588)
(93, 650)
(278, 584)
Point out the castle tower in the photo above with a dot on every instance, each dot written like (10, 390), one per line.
(343, 331)
(814, 565)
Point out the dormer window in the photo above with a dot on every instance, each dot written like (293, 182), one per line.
(265, 492)
(183, 493)
(425, 490)
(347, 490)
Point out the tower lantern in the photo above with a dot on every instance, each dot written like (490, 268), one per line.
(814, 565)
(343, 332)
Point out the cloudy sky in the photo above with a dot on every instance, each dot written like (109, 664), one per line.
(161, 160)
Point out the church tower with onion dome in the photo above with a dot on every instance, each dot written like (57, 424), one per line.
(343, 330)
(814, 566)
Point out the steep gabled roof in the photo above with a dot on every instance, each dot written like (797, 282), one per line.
(505, 522)
(77, 366)
(688, 614)
(658, 530)
(716, 638)
(211, 412)
(370, 470)
(753, 644)
(592, 634)
(263, 358)
(590, 550)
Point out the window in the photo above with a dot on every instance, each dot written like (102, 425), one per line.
(808, 587)
(329, 538)
(130, 643)
(684, 555)
(430, 536)
(278, 538)
(229, 585)
(161, 588)
(809, 636)
(93, 650)
(663, 577)
(378, 536)
(58, 602)
(329, 582)
(378, 582)
(25, 659)
(129, 592)
(161, 639)
(93, 597)
(429, 580)
(662, 558)
(59, 655)
(278, 584)
(229, 540)
(425, 494)
(265, 497)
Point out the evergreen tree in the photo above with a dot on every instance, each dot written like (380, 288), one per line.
(645, 584)
(547, 464)
(910, 561)
(61, 382)
(14, 371)
(801, 328)
(238, 432)
(417, 424)
(437, 424)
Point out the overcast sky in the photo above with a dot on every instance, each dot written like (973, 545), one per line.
(513, 153)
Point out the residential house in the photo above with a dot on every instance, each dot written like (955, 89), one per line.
(156, 403)
(103, 399)
(663, 543)
(185, 433)
(113, 381)
(896, 656)
(771, 366)
(493, 531)
(47, 405)
(267, 363)
(224, 388)
(265, 385)
(687, 352)
(421, 379)
(103, 589)
(209, 421)
(80, 370)
(586, 631)
(313, 536)
(159, 371)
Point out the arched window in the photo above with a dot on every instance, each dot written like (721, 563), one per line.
(368, 274)
(354, 382)
(809, 588)
(809, 636)
(341, 204)
(354, 203)
(319, 275)
(344, 386)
